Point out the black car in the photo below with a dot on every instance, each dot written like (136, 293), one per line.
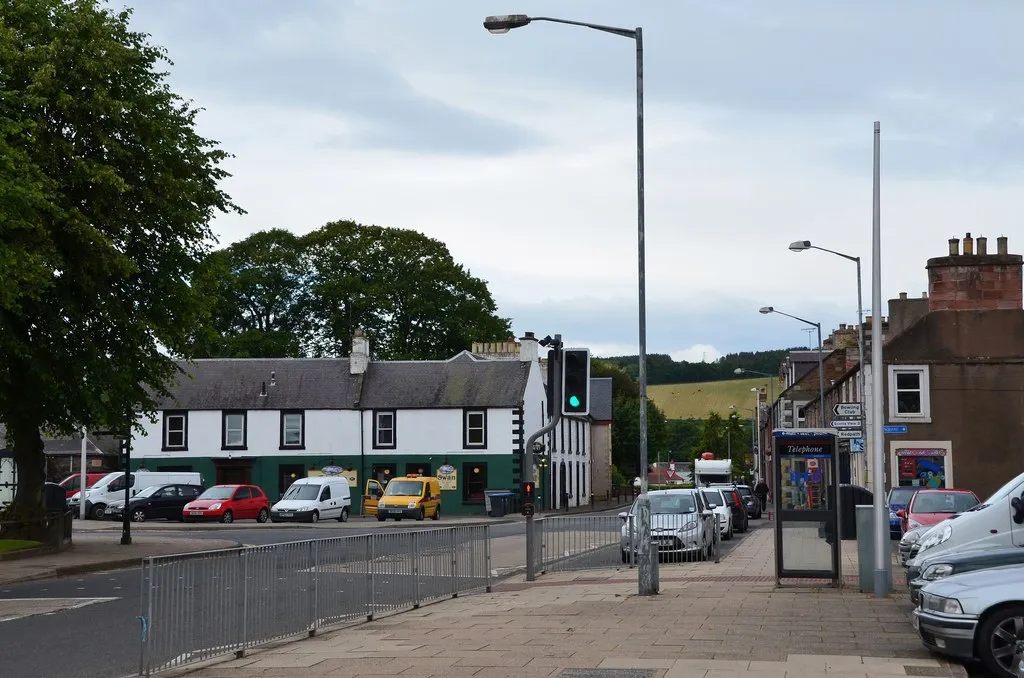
(751, 501)
(156, 501)
(740, 519)
(957, 562)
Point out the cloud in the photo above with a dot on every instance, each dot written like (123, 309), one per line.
(698, 353)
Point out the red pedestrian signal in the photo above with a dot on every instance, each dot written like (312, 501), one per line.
(528, 488)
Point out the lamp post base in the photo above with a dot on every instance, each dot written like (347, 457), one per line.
(647, 578)
(883, 583)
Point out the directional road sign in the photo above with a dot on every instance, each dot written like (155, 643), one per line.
(847, 434)
(847, 410)
(845, 423)
(895, 428)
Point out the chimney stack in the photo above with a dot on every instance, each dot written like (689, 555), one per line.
(954, 247)
(968, 245)
(903, 296)
(528, 348)
(976, 282)
(1001, 245)
(982, 245)
(359, 358)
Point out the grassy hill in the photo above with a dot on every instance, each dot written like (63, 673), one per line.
(694, 401)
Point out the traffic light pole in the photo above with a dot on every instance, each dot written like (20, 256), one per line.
(553, 392)
(126, 524)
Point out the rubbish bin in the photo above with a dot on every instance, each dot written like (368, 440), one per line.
(497, 503)
(55, 498)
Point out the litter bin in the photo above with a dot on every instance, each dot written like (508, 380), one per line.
(55, 498)
(497, 503)
(853, 496)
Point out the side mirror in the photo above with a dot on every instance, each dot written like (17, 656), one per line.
(901, 514)
(624, 515)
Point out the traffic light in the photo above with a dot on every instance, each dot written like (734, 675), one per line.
(528, 488)
(576, 381)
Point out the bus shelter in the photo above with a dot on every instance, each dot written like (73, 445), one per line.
(806, 477)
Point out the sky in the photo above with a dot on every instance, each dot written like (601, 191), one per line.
(519, 150)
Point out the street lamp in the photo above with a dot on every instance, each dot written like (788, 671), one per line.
(755, 423)
(771, 386)
(800, 246)
(503, 24)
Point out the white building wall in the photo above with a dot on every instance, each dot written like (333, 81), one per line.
(439, 431)
(327, 432)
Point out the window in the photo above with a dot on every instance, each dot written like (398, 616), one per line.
(326, 494)
(175, 430)
(908, 393)
(384, 429)
(474, 481)
(242, 493)
(293, 430)
(233, 430)
(474, 428)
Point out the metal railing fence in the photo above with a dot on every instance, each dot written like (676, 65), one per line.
(201, 605)
(601, 541)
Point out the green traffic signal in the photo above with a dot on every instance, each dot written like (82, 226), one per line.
(574, 401)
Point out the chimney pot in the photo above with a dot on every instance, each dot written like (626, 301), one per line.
(529, 348)
(954, 247)
(903, 296)
(982, 245)
(1002, 247)
(968, 244)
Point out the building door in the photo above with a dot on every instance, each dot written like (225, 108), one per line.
(419, 468)
(288, 474)
(234, 472)
(383, 473)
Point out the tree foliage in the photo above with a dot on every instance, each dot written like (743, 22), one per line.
(276, 295)
(662, 369)
(106, 194)
(723, 436)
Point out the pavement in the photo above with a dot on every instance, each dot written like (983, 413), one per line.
(709, 621)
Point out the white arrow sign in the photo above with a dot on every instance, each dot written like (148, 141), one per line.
(847, 410)
(845, 423)
(849, 435)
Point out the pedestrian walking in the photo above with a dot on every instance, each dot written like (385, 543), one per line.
(761, 490)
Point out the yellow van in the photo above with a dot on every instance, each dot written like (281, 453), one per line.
(413, 496)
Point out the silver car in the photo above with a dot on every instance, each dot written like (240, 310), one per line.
(909, 542)
(681, 525)
(975, 615)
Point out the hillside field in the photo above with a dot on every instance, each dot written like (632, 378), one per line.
(694, 401)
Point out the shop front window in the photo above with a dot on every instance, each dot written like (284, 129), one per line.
(474, 481)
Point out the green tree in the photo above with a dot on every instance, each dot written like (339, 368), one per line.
(626, 433)
(252, 288)
(402, 288)
(683, 437)
(106, 194)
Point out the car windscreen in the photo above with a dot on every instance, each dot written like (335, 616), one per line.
(673, 504)
(901, 496)
(404, 488)
(944, 502)
(218, 493)
(302, 492)
(1006, 490)
(713, 497)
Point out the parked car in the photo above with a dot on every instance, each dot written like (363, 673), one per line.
(682, 525)
(974, 615)
(928, 507)
(110, 488)
(314, 499)
(955, 562)
(732, 496)
(750, 501)
(896, 500)
(413, 496)
(73, 483)
(156, 501)
(909, 542)
(998, 521)
(228, 503)
(719, 505)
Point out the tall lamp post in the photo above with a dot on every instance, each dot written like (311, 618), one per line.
(647, 582)
(800, 246)
(755, 423)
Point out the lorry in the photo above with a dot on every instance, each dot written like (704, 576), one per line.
(708, 471)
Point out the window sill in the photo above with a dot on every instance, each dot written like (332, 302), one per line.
(384, 447)
(291, 447)
(174, 449)
(475, 447)
(234, 448)
(910, 419)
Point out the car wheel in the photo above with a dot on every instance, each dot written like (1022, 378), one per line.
(343, 518)
(139, 515)
(228, 517)
(422, 514)
(997, 639)
(98, 512)
(315, 518)
(437, 514)
(380, 518)
(263, 516)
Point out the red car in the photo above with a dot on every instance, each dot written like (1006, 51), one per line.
(228, 503)
(928, 507)
(72, 483)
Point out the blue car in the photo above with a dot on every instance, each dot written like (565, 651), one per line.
(898, 498)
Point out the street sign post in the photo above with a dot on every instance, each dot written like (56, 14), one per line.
(850, 434)
(847, 410)
(845, 423)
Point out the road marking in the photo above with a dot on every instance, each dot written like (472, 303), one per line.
(19, 608)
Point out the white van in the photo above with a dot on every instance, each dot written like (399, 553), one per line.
(314, 499)
(111, 487)
(996, 522)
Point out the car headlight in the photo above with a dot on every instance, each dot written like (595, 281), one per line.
(937, 571)
(936, 538)
(412, 504)
(893, 516)
(214, 507)
(692, 525)
(914, 524)
(910, 538)
(935, 603)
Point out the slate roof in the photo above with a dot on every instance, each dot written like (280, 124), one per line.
(62, 446)
(445, 384)
(235, 384)
(601, 398)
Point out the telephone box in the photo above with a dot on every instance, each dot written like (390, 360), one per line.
(806, 474)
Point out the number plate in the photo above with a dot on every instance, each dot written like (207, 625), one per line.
(286, 515)
(195, 513)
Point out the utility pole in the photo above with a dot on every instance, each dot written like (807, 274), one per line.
(533, 444)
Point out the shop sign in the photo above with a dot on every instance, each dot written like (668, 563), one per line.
(447, 477)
